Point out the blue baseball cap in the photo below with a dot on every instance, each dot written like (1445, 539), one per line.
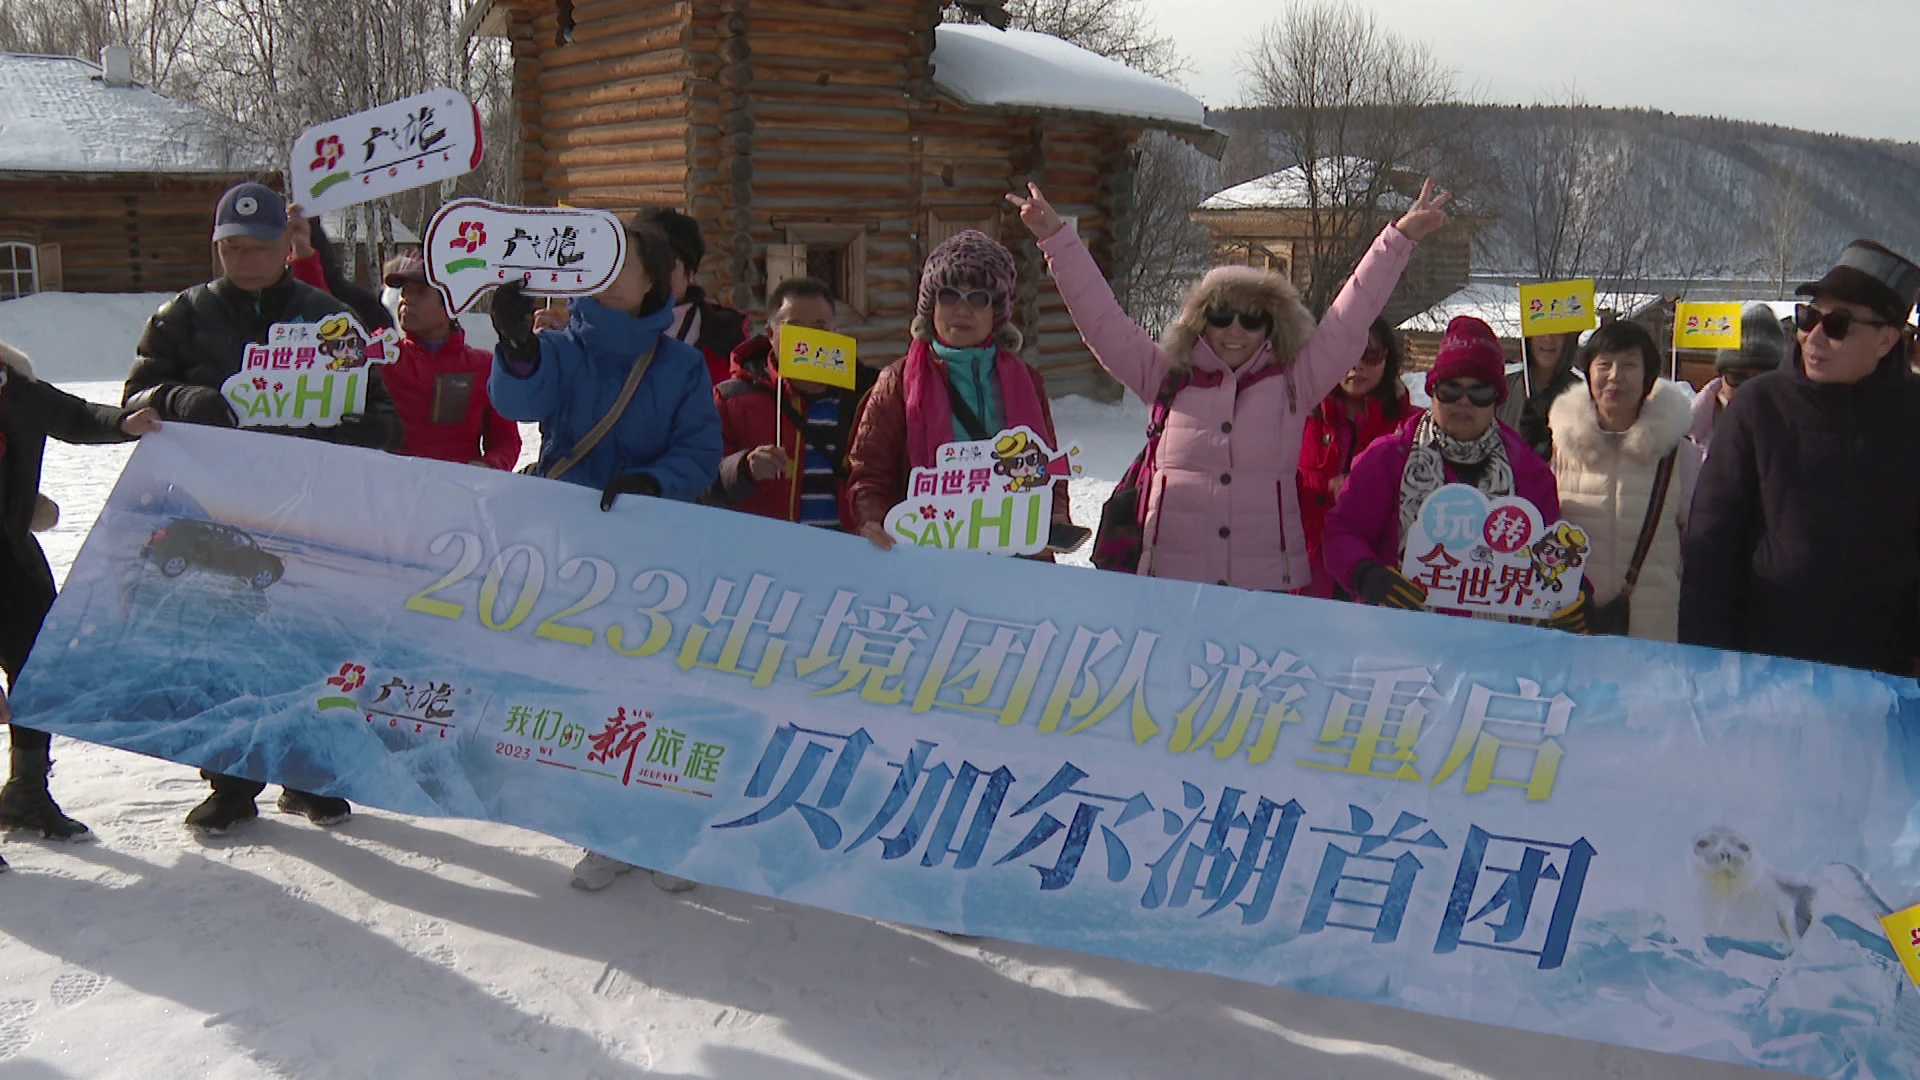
(250, 209)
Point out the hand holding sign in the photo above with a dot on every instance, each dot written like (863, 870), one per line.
(1494, 556)
(308, 374)
(473, 245)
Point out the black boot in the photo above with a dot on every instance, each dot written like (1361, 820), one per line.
(221, 811)
(319, 809)
(24, 802)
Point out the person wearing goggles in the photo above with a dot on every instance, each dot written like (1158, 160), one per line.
(1800, 541)
(1458, 441)
(1763, 346)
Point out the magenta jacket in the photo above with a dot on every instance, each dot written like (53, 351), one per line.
(1365, 522)
(1223, 504)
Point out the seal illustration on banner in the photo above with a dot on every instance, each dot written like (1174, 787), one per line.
(990, 495)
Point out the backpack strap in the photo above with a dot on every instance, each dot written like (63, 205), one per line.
(599, 430)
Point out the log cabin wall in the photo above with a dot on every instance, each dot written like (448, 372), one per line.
(123, 233)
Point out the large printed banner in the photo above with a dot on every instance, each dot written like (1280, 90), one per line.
(1669, 848)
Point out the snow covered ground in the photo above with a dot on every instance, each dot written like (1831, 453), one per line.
(402, 947)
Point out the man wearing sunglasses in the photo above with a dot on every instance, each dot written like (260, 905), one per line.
(1802, 537)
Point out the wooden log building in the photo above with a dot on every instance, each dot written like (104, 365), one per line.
(841, 139)
(1268, 222)
(105, 185)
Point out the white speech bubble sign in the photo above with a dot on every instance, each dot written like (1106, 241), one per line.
(474, 245)
(419, 140)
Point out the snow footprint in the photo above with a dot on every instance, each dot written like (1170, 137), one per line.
(422, 937)
(75, 985)
(15, 1032)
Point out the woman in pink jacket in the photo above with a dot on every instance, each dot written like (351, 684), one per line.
(1223, 502)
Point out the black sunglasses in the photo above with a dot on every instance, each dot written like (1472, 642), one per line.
(1480, 395)
(976, 298)
(1737, 376)
(1837, 324)
(1253, 322)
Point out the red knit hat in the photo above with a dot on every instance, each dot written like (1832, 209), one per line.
(1470, 351)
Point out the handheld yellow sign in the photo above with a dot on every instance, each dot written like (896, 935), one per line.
(1557, 307)
(816, 356)
(1903, 932)
(1706, 326)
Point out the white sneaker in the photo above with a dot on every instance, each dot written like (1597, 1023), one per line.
(595, 871)
(668, 883)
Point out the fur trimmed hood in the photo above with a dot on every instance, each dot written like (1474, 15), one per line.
(1242, 288)
(15, 359)
(1664, 419)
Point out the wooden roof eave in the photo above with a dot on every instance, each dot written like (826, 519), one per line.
(1208, 141)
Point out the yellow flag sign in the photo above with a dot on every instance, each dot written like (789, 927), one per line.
(1903, 932)
(1706, 326)
(816, 356)
(1557, 307)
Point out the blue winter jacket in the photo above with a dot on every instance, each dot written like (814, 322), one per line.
(671, 429)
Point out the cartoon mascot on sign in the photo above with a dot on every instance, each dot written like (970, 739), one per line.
(1562, 549)
(341, 343)
(1020, 459)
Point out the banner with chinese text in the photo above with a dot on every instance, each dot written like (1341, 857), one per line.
(1670, 848)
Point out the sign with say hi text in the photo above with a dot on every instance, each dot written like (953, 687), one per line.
(1670, 848)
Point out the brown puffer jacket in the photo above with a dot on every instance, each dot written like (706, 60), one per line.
(877, 468)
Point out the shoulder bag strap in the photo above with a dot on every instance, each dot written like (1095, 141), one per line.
(599, 430)
(969, 420)
(1662, 479)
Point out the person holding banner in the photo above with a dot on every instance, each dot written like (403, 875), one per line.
(30, 412)
(1763, 346)
(1458, 441)
(962, 379)
(1547, 372)
(787, 455)
(1801, 539)
(1369, 404)
(187, 351)
(1625, 472)
(1243, 366)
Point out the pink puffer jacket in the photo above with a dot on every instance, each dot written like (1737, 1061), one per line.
(1223, 503)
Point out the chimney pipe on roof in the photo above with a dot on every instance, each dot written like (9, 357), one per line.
(116, 65)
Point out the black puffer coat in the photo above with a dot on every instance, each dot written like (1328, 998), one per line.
(1804, 538)
(200, 337)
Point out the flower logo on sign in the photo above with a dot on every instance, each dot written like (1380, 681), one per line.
(472, 234)
(929, 511)
(327, 152)
(352, 677)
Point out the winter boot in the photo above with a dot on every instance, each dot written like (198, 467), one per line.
(24, 802)
(319, 809)
(595, 871)
(221, 811)
(668, 883)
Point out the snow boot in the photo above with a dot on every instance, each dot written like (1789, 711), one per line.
(24, 802)
(319, 809)
(595, 871)
(668, 883)
(221, 811)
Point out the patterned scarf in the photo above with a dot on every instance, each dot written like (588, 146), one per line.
(1426, 469)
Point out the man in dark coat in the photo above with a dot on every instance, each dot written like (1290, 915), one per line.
(1804, 536)
(30, 411)
(190, 347)
(699, 320)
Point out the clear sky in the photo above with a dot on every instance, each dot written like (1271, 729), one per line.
(1848, 66)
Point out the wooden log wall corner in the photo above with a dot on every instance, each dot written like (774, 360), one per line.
(526, 52)
(735, 166)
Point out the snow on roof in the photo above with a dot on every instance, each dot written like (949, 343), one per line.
(57, 115)
(1008, 69)
(1499, 307)
(1287, 189)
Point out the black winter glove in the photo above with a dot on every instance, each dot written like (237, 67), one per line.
(197, 405)
(638, 483)
(512, 314)
(1573, 617)
(1383, 586)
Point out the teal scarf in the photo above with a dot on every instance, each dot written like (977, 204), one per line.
(972, 374)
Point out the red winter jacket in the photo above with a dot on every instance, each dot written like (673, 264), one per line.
(747, 419)
(1328, 445)
(442, 400)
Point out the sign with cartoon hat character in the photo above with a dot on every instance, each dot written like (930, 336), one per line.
(473, 245)
(1495, 556)
(308, 374)
(994, 495)
(405, 144)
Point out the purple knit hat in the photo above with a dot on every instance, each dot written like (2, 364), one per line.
(969, 260)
